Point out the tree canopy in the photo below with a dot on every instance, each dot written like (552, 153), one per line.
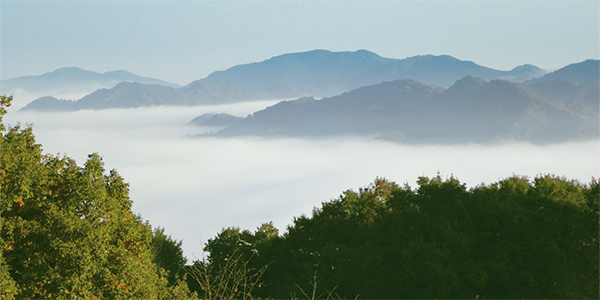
(517, 238)
(68, 231)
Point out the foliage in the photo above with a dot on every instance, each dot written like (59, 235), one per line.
(168, 254)
(68, 231)
(234, 267)
(517, 238)
(232, 280)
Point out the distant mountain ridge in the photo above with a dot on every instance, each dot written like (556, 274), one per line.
(581, 72)
(317, 73)
(444, 70)
(73, 80)
(214, 120)
(575, 84)
(471, 110)
(321, 73)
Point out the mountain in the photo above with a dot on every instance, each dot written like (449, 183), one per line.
(322, 73)
(123, 95)
(444, 70)
(575, 84)
(523, 73)
(582, 72)
(317, 73)
(214, 120)
(49, 103)
(471, 110)
(129, 95)
(72, 81)
(563, 92)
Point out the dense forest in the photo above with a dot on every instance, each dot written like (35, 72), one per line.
(67, 231)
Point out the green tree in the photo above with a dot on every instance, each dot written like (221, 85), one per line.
(235, 264)
(168, 255)
(8, 286)
(517, 238)
(68, 231)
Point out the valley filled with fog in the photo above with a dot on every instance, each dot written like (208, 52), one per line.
(194, 186)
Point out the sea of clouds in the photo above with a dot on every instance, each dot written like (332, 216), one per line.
(194, 186)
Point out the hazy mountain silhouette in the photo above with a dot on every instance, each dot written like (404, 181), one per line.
(321, 73)
(214, 120)
(73, 80)
(317, 73)
(49, 103)
(314, 73)
(471, 110)
(129, 95)
(578, 72)
(574, 85)
(123, 95)
(444, 70)
(566, 92)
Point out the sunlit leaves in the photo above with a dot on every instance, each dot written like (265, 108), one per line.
(68, 231)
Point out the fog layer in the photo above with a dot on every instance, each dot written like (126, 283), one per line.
(195, 186)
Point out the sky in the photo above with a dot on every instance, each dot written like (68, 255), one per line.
(182, 41)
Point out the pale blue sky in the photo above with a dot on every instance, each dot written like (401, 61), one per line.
(181, 41)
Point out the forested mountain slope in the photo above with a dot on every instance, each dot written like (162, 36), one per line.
(472, 110)
(574, 85)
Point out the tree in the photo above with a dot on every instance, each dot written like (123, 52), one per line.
(68, 231)
(235, 264)
(517, 238)
(168, 255)
(8, 286)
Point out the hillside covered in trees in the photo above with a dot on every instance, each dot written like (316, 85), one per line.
(67, 231)
(407, 111)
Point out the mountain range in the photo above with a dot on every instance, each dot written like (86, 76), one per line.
(578, 72)
(73, 81)
(407, 111)
(421, 99)
(317, 73)
(575, 84)
(321, 73)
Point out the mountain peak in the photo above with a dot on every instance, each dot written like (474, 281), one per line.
(471, 80)
(526, 67)
(71, 73)
(69, 70)
(466, 85)
(326, 55)
(118, 72)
